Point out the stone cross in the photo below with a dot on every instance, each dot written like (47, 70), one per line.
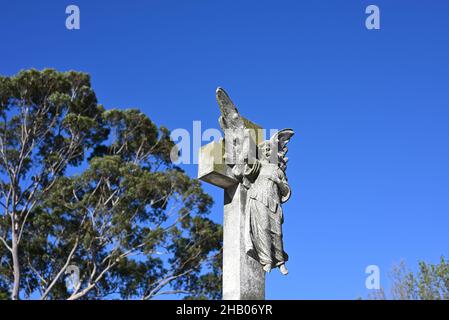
(243, 277)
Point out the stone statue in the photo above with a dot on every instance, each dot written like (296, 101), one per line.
(263, 213)
(260, 168)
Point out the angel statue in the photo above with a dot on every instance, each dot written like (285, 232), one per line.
(263, 213)
(266, 183)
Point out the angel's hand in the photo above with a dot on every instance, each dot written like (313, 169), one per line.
(237, 170)
(275, 178)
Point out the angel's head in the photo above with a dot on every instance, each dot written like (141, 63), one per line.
(265, 150)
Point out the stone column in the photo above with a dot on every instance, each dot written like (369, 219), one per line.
(243, 277)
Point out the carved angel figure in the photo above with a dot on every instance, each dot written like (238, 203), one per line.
(264, 178)
(263, 213)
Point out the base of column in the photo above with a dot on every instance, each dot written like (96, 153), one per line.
(243, 277)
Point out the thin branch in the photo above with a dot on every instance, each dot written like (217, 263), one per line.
(5, 244)
(62, 270)
(163, 282)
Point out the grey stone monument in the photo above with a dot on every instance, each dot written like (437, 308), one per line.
(252, 173)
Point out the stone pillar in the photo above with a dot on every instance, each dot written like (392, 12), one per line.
(243, 277)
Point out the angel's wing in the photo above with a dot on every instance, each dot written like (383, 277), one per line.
(279, 144)
(230, 117)
(232, 124)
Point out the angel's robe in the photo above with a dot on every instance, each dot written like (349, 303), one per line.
(264, 216)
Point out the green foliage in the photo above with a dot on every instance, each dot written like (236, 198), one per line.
(133, 223)
(429, 282)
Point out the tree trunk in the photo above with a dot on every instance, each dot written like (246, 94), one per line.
(16, 266)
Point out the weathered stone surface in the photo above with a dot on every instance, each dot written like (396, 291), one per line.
(252, 173)
(243, 277)
(268, 189)
(211, 166)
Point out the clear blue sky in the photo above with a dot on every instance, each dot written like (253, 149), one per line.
(369, 164)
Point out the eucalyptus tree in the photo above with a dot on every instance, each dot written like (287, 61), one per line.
(93, 189)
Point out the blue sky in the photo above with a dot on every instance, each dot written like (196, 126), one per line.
(369, 164)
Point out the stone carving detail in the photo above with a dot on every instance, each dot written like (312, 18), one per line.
(260, 167)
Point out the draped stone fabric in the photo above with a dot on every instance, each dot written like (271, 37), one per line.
(264, 215)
